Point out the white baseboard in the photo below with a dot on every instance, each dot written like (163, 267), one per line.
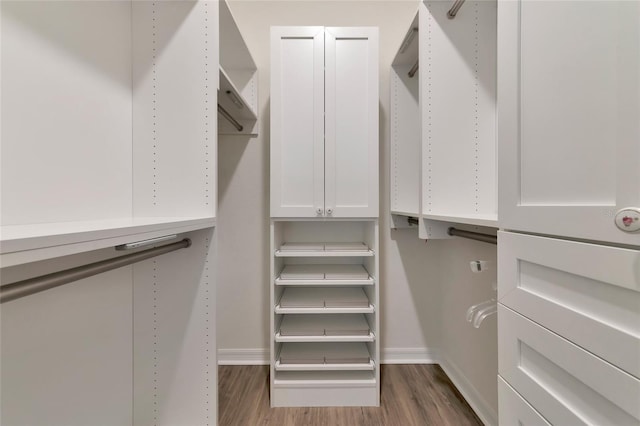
(243, 356)
(483, 410)
(410, 356)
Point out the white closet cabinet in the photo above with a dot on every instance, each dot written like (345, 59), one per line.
(569, 102)
(569, 160)
(109, 137)
(324, 122)
(324, 217)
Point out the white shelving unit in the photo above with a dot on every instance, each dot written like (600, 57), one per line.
(321, 305)
(324, 216)
(108, 138)
(238, 74)
(443, 120)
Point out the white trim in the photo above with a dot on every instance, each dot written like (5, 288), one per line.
(243, 356)
(474, 398)
(410, 356)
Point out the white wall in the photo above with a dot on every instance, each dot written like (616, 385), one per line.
(425, 289)
(469, 355)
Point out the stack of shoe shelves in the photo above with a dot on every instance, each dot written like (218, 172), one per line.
(324, 294)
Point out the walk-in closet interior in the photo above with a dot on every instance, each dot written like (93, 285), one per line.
(275, 212)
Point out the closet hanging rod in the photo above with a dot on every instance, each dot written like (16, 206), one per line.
(408, 39)
(30, 286)
(231, 120)
(491, 239)
(414, 69)
(455, 8)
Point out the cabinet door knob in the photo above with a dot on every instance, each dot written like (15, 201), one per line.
(627, 219)
(329, 211)
(319, 211)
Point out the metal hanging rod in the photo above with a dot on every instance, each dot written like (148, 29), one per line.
(30, 286)
(408, 39)
(414, 69)
(455, 8)
(231, 120)
(491, 239)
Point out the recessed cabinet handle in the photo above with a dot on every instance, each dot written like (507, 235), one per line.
(319, 211)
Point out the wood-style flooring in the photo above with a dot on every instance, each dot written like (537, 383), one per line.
(411, 395)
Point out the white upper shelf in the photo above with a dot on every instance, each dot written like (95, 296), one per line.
(478, 220)
(28, 243)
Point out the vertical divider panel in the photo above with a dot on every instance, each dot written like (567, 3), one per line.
(458, 102)
(405, 140)
(175, 75)
(175, 367)
(276, 240)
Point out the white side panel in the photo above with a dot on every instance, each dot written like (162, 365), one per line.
(175, 369)
(569, 105)
(587, 293)
(566, 384)
(66, 354)
(297, 121)
(405, 141)
(66, 111)
(174, 96)
(351, 122)
(458, 97)
(514, 410)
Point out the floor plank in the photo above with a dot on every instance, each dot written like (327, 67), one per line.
(411, 395)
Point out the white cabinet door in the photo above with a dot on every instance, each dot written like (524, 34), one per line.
(568, 128)
(297, 122)
(351, 108)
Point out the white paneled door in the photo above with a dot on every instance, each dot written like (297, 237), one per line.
(351, 122)
(569, 126)
(297, 121)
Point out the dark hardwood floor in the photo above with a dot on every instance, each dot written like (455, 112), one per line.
(411, 395)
